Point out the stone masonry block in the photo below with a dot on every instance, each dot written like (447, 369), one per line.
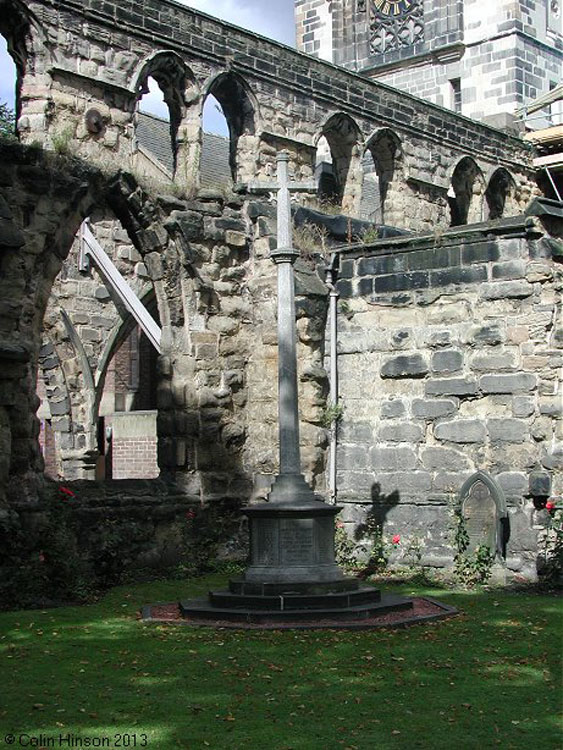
(392, 459)
(353, 458)
(355, 432)
(451, 387)
(522, 406)
(446, 361)
(508, 430)
(401, 432)
(392, 409)
(404, 366)
(461, 431)
(438, 458)
(513, 383)
(507, 290)
(432, 409)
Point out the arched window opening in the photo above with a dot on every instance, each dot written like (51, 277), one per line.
(8, 80)
(215, 169)
(229, 111)
(499, 195)
(160, 109)
(379, 167)
(156, 155)
(465, 195)
(98, 371)
(23, 42)
(339, 138)
(327, 187)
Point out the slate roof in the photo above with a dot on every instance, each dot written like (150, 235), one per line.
(153, 134)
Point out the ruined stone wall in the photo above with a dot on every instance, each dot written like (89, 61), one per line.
(207, 261)
(41, 205)
(81, 86)
(480, 309)
(450, 361)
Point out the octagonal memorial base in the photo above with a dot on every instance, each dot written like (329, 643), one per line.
(292, 575)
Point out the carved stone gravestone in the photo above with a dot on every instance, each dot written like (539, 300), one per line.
(483, 509)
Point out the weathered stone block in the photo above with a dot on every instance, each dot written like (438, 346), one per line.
(514, 383)
(539, 484)
(392, 409)
(353, 458)
(432, 409)
(451, 387)
(356, 432)
(401, 432)
(438, 458)
(513, 482)
(508, 430)
(507, 290)
(522, 406)
(461, 431)
(553, 407)
(235, 239)
(501, 360)
(490, 335)
(392, 459)
(404, 366)
(447, 361)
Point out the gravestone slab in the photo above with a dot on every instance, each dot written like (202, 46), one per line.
(483, 509)
(479, 512)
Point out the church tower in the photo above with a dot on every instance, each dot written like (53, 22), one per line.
(481, 59)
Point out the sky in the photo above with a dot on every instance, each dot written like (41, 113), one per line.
(271, 18)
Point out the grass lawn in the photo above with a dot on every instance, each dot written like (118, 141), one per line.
(490, 677)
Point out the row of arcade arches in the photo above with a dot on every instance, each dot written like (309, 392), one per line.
(358, 175)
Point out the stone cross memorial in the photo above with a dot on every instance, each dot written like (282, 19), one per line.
(292, 572)
(292, 535)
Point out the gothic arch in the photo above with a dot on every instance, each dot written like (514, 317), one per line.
(241, 110)
(115, 339)
(500, 195)
(178, 86)
(466, 193)
(382, 163)
(345, 142)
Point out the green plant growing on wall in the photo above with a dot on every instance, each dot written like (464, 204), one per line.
(310, 239)
(62, 140)
(332, 414)
(369, 235)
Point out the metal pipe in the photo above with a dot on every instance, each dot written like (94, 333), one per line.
(331, 278)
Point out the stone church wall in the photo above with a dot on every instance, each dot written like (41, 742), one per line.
(450, 357)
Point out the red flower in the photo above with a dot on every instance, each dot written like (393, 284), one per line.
(550, 505)
(66, 491)
(190, 515)
(396, 539)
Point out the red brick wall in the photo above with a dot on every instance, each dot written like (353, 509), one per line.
(134, 458)
(134, 445)
(48, 449)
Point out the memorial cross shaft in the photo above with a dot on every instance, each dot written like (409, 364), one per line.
(284, 256)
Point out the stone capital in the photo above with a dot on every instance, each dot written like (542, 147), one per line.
(284, 255)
